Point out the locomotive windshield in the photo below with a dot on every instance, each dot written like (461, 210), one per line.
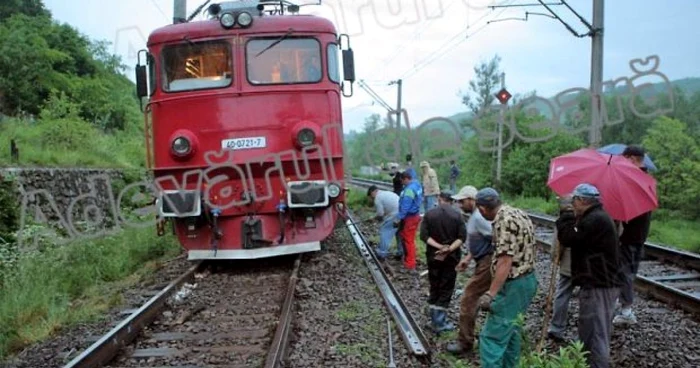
(289, 61)
(199, 65)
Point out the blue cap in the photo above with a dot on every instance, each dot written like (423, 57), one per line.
(487, 197)
(586, 190)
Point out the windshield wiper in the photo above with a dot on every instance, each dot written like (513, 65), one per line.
(289, 32)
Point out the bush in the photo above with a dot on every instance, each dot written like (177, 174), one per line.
(572, 356)
(59, 286)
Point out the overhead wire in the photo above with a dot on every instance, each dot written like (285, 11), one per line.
(448, 46)
(386, 62)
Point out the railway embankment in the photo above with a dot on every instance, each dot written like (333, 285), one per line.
(67, 257)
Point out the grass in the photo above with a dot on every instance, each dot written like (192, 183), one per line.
(372, 319)
(74, 283)
(63, 143)
(676, 233)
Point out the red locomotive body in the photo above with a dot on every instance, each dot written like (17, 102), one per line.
(244, 130)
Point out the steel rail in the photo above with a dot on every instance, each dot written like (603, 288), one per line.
(666, 293)
(664, 253)
(408, 328)
(669, 294)
(107, 347)
(278, 348)
(368, 182)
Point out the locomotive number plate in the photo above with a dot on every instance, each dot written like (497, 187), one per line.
(244, 143)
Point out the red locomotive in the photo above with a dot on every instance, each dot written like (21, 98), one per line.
(244, 128)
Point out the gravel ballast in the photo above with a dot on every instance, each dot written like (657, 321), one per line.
(663, 336)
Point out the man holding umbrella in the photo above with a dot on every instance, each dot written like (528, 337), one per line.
(634, 235)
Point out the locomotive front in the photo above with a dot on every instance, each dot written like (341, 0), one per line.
(244, 130)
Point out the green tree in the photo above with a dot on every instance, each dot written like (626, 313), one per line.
(677, 155)
(526, 168)
(32, 8)
(486, 82)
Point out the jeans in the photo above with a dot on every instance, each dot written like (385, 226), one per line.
(429, 202)
(631, 256)
(561, 305)
(453, 185)
(387, 232)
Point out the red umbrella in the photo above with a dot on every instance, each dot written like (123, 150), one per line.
(626, 191)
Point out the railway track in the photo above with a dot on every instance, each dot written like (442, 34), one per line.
(667, 274)
(409, 330)
(234, 317)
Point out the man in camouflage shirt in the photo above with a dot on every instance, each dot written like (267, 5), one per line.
(513, 282)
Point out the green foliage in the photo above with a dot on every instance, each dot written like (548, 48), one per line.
(66, 285)
(526, 168)
(677, 154)
(572, 356)
(74, 87)
(54, 143)
(535, 204)
(9, 211)
(29, 7)
(484, 85)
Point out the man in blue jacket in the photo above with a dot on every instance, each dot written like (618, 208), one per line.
(409, 215)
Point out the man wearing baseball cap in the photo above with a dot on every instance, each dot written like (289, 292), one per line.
(595, 267)
(513, 283)
(480, 249)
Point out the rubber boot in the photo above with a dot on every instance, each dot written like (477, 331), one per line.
(444, 324)
(434, 319)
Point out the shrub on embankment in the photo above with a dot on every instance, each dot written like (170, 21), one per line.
(48, 283)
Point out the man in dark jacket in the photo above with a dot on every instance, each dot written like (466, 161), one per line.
(634, 235)
(396, 181)
(454, 173)
(595, 267)
(443, 231)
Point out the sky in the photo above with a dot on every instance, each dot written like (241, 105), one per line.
(434, 45)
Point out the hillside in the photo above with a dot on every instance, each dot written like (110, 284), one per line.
(70, 105)
(689, 86)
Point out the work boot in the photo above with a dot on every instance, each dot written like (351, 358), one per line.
(457, 348)
(556, 337)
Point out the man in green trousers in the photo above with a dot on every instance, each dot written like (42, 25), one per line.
(513, 282)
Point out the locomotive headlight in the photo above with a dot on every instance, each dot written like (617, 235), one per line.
(333, 190)
(227, 20)
(181, 146)
(306, 137)
(245, 19)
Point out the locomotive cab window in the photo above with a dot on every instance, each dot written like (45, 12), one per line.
(289, 61)
(333, 68)
(201, 65)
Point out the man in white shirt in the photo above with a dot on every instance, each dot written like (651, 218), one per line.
(480, 249)
(386, 204)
